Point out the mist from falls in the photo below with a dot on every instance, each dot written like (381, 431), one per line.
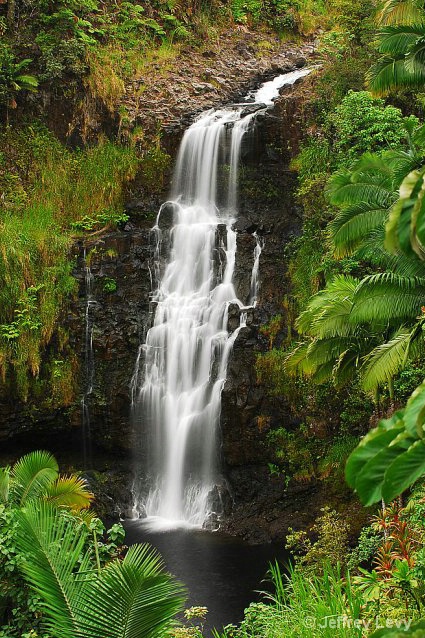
(181, 369)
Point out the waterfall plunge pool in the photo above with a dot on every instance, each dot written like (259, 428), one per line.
(221, 572)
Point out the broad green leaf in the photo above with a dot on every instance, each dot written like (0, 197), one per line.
(69, 491)
(371, 477)
(371, 444)
(133, 598)
(404, 471)
(414, 412)
(53, 544)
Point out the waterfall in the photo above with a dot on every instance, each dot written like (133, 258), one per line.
(255, 281)
(89, 367)
(181, 369)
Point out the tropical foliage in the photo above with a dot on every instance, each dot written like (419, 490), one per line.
(59, 574)
(400, 43)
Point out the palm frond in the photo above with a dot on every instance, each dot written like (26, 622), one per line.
(388, 297)
(352, 193)
(324, 351)
(332, 320)
(385, 361)
(405, 266)
(325, 306)
(405, 228)
(53, 544)
(390, 73)
(70, 491)
(323, 373)
(416, 58)
(134, 598)
(352, 226)
(346, 366)
(400, 12)
(31, 475)
(295, 361)
(398, 40)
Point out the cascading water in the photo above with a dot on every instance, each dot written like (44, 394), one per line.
(255, 281)
(89, 368)
(177, 394)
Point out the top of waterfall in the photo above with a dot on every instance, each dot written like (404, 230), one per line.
(269, 91)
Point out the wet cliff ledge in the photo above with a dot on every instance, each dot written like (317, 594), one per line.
(168, 95)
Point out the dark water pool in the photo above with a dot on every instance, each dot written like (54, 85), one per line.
(221, 573)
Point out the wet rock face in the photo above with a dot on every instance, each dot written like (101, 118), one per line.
(120, 312)
(266, 207)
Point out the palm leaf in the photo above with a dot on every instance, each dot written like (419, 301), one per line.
(398, 40)
(324, 351)
(347, 365)
(325, 306)
(403, 265)
(332, 320)
(392, 73)
(323, 373)
(400, 12)
(70, 491)
(53, 544)
(294, 361)
(416, 57)
(388, 297)
(385, 361)
(31, 475)
(405, 227)
(134, 598)
(352, 226)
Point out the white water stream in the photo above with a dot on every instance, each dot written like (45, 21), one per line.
(183, 363)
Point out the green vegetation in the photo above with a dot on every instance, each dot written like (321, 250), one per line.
(358, 285)
(48, 192)
(61, 575)
(361, 323)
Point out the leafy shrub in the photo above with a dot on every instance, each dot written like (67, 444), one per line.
(362, 123)
(61, 58)
(109, 285)
(330, 546)
(367, 545)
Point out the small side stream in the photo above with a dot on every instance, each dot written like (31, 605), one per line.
(220, 572)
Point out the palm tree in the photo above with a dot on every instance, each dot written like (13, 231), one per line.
(349, 330)
(36, 477)
(401, 43)
(57, 552)
(132, 598)
(400, 12)
(364, 194)
(373, 326)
